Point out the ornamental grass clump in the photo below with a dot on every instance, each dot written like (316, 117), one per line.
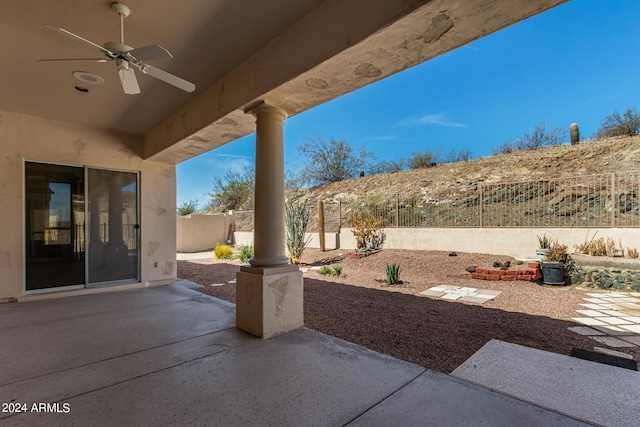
(223, 251)
(245, 253)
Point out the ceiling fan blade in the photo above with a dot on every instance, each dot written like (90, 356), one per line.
(168, 78)
(73, 59)
(82, 39)
(150, 53)
(129, 81)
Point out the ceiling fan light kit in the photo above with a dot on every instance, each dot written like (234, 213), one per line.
(125, 56)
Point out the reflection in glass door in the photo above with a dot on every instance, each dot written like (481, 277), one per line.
(113, 226)
(54, 226)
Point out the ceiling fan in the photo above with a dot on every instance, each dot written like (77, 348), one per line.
(126, 56)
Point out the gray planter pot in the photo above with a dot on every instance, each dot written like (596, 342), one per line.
(552, 273)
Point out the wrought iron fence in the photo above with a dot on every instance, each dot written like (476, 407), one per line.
(610, 200)
(588, 201)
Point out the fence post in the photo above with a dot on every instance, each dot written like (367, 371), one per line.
(613, 200)
(339, 215)
(480, 205)
(397, 211)
(321, 223)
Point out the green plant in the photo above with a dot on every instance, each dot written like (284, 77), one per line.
(326, 162)
(233, 192)
(187, 208)
(223, 251)
(616, 125)
(422, 160)
(326, 270)
(393, 274)
(245, 253)
(557, 252)
(544, 241)
(296, 218)
(574, 132)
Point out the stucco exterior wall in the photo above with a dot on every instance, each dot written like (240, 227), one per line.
(26, 138)
(331, 240)
(201, 232)
(516, 242)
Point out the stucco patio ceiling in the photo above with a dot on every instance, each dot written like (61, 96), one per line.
(293, 53)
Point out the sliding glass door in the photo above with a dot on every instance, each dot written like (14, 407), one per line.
(54, 226)
(77, 234)
(113, 226)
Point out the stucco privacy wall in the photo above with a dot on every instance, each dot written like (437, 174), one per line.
(202, 232)
(516, 242)
(33, 139)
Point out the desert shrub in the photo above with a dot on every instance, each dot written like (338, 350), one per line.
(235, 191)
(333, 161)
(387, 166)
(632, 253)
(557, 252)
(597, 247)
(245, 253)
(223, 251)
(393, 274)
(538, 136)
(296, 218)
(187, 208)
(368, 231)
(337, 270)
(615, 125)
(425, 159)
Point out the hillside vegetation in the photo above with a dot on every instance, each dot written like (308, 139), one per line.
(590, 157)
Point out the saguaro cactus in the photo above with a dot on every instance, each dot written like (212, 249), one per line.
(575, 133)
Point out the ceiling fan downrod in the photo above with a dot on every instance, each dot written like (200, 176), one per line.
(123, 11)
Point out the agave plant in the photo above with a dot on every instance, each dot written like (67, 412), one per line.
(393, 274)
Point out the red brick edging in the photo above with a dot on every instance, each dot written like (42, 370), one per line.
(532, 273)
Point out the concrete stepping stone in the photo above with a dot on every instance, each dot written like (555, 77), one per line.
(589, 321)
(585, 330)
(613, 341)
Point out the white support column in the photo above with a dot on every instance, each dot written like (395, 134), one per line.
(269, 292)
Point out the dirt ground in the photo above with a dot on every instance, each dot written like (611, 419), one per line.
(437, 334)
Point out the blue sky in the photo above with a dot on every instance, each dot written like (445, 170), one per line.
(575, 63)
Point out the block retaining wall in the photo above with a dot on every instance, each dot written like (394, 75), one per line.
(532, 273)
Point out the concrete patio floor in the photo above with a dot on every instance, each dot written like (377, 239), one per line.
(170, 355)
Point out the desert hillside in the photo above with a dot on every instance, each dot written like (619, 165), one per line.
(590, 157)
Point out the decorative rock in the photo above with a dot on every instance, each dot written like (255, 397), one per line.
(453, 254)
(471, 269)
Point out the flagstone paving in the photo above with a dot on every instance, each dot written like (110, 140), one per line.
(612, 318)
(461, 293)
